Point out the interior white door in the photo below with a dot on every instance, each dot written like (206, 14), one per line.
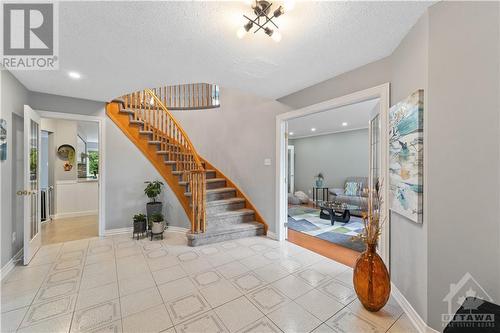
(32, 202)
(291, 169)
(377, 165)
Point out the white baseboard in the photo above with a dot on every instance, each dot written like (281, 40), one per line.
(9, 266)
(75, 214)
(177, 229)
(272, 235)
(413, 315)
(128, 230)
(118, 231)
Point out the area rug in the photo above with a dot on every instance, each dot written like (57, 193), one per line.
(307, 221)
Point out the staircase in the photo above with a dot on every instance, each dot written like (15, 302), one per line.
(217, 208)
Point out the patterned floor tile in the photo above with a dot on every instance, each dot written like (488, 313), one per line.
(153, 320)
(204, 279)
(263, 325)
(57, 290)
(238, 313)
(268, 299)
(187, 307)
(40, 312)
(207, 322)
(291, 318)
(96, 316)
(248, 282)
(346, 321)
(338, 290)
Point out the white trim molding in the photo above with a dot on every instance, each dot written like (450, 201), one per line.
(9, 266)
(383, 93)
(128, 230)
(272, 235)
(412, 314)
(75, 214)
(102, 158)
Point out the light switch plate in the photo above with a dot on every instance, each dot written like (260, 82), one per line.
(267, 161)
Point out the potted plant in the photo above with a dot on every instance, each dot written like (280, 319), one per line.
(153, 190)
(139, 224)
(319, 179)
(157, 225)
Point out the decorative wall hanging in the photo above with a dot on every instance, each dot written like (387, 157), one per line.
(265, 19)
(3, 139)
(406, 165)
(67, 153)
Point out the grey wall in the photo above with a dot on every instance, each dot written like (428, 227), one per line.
(236, 138)
(408, 239)
(126, 171)
(453, 53)
(463, 149)
(65, 133)
(13, 97)
(337, 156)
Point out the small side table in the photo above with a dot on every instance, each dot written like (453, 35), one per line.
(325, 194)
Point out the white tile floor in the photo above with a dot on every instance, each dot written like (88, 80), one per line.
(117, 284)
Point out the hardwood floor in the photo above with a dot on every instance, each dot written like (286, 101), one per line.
(333, 251)
(68, 229)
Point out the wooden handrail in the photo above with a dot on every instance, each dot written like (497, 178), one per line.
(184, 134)
(148, 110)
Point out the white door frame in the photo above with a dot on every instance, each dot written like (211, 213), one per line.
(383, 93)
(102, 154)
(291, 148)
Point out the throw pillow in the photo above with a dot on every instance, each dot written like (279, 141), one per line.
(302, 196)
(351, 188)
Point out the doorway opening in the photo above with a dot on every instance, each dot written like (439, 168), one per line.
(69, 179)
(329, 156)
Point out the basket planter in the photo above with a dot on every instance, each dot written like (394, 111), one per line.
(139, 228)
(153, 208)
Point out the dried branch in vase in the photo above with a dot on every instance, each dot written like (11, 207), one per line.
(372, 217)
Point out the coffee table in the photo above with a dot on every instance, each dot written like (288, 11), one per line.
(336, 212)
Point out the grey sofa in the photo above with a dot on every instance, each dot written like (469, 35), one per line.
(361, 199)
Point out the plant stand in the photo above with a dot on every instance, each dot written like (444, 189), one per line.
(153, 234)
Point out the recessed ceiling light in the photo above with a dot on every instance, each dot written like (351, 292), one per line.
(291, 133)
(344, 124)
(313, 129)
(74, 75)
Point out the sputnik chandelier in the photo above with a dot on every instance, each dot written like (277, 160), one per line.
(265, 19)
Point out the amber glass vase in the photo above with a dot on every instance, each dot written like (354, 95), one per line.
(371, 280)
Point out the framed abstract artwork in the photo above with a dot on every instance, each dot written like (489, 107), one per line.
(406, 158)
(3, 140)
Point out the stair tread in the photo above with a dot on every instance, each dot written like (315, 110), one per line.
(236, 212)
(215, 190)
(225, 201)
(209, 180)
(227, 228)
(129, 111)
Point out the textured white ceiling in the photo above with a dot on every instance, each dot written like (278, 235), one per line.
(123, 46)
(355, 115)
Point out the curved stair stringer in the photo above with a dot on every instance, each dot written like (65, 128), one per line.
(132, 132)
(239, 194)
